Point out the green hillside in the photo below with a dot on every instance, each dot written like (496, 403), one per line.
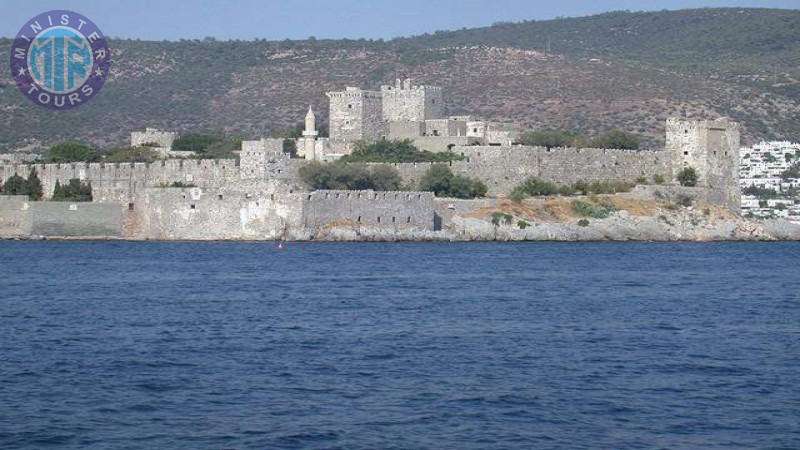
(616, 70)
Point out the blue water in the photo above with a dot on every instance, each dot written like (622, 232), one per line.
(119, 345)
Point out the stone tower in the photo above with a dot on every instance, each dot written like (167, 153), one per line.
(309, 136)
(405, 102)
(712, 148)
(355, 114)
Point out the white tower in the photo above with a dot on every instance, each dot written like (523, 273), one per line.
(310, 135)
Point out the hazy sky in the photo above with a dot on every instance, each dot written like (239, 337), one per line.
(298, 19)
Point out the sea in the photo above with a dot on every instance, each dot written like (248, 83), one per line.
(240, 345)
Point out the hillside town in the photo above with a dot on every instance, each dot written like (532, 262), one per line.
(770, 180)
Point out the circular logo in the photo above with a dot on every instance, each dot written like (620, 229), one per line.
(60, 59)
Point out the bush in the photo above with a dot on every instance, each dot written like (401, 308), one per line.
(583, 223)
(616, 139)
(131, 154)
(548, 138)
(71, 151)
(440, 180)
(534, 186)
(760, 192)
(498, 217)
(350, 177)
(685, 200)
(74, 191)
(177, 184)
(594, 211)
(659, 179)
(395, 151)
(792, 172)
(16, 185)
(522, 224)
(688, 177)
(195, 142)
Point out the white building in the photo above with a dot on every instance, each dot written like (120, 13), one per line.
(762, 166)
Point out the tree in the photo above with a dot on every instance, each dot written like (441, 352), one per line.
(386, 178)
(548, 138)
(616, 139)
(71, 151)
(74, 191)
(195, 142)
(131, 154)
(35, 191)
(792, 172)
(15, 185)
(350, 177)
(440, 180)
(395, 151)
(688, 177)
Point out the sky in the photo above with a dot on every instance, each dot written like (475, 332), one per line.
(299, 19)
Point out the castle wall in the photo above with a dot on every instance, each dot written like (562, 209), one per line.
(389, 210)
(242, 211)
(21, 218)
(503, 168)
(438, 144)
(117, 182)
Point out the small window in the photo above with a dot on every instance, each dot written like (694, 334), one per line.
(408, 220)
(392, 219)
(350, 106)
(219, 196)
(359, 219)
(192, 206)
(474, 130)
(130, 206)
(379, 219)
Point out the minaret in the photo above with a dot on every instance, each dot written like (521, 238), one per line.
(310, 135)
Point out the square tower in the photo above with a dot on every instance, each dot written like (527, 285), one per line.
(712, 148)
(405, 102)
(355, 114)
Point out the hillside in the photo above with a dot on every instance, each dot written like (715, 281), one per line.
(616, 70)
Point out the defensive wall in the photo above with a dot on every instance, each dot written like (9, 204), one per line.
(228, 213)
(385, 209)
(117, 182)
(22, 218)
(503, 168)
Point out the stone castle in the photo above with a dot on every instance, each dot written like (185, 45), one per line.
(261, 196)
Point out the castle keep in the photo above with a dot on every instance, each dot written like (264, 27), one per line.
(261, 195)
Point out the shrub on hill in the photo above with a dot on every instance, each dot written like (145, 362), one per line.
(350, 177)
(395, 151)
(548, 138)
(71, 151)
(688, 177)
(553, 138)
(440, 180)
(131, 154)
(533, 187)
